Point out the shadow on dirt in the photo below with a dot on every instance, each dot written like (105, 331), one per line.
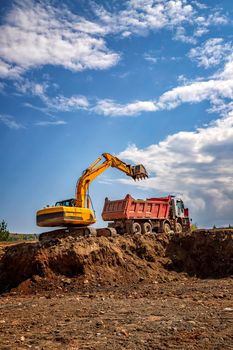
(203, 253)
(17, 264)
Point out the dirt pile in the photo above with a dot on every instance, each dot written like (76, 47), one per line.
(81, 260)
(71, 263)
(203, 253)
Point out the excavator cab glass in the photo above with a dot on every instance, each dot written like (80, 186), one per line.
(66, 203)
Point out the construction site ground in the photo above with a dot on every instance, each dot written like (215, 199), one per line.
(142, 292)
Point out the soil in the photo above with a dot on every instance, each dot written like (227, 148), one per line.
(142, 292)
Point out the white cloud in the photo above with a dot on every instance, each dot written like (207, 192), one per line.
(211, 53)
(8, 70)
(57, 103)
(211, 90)
(62, 103)
(110, 108)
(181, 35)
(10, 122)
(227, 72)
(25, 86)
(218, 90)
(216, 18)
(197, 165)
(200, 5)
(141, 16)
(150, 58)
(51, 123)
(65, 104)
(36, 34)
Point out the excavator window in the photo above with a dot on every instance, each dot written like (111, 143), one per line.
(66, 203)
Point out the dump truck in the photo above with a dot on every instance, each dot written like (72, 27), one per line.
(163, 214)
(75, 214)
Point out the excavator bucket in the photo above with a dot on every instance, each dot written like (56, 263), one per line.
(139, 172)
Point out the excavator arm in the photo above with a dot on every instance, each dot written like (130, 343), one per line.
(137, 172)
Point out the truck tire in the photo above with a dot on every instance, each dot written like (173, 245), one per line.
(146, 227)
(166, 227)
(136, 228)
(179, 227)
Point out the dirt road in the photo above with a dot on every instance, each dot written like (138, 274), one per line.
(188, 314)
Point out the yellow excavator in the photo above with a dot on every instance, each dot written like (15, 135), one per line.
(76, 214)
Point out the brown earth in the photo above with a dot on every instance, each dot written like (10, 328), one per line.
(141, 292)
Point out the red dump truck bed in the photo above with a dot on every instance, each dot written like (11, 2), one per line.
(130, 208)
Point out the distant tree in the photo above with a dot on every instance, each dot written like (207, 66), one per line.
(194, 227)
(230, 226)
(32, 237)
(4, 233)
(214, 227)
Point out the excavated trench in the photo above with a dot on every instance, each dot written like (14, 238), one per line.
(71, 263)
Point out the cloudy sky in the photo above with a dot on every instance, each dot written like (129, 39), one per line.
(148, 80)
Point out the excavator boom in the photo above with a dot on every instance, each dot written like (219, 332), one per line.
(137, 172)
(77, 212)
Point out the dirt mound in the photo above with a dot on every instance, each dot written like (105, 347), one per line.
(203, 253)
(74, 261)
(71, 263)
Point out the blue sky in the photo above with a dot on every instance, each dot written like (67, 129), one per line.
(148, 80)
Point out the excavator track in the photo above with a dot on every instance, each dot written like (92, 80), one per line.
(77, 232)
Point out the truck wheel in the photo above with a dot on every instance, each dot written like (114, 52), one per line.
(146, 227)
(179, 227)
(136, 228)
(166, 227)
